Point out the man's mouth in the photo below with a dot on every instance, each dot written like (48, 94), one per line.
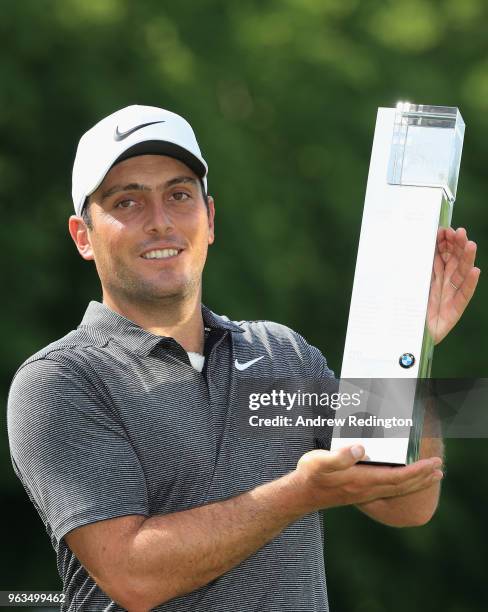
(161, 254)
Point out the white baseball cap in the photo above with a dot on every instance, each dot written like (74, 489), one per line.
(134, 130)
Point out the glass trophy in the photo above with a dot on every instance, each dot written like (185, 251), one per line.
(410, 193)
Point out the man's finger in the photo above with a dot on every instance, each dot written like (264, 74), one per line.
(396, 476)
(415, 474)
(467, 289)
(423, 481)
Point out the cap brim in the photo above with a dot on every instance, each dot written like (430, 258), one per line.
(161, 147)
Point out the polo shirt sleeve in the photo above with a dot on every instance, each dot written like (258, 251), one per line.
(316, 367)
(314, 364)
(70, 450)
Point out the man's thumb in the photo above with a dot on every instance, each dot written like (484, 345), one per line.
(339, 459)
(347, 456)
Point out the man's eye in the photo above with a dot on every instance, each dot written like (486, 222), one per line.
(180, 196)
(125, 204)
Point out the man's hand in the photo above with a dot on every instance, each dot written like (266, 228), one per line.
(327, 479)
(412, 509)
(454, 280)
(141, 562)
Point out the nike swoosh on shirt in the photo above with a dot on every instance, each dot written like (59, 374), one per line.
(247, 364)
(121, 135)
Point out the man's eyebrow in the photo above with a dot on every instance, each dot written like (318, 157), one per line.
(181, 179)
(129, 187)
(139, 187)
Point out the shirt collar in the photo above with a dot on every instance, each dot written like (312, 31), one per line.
(215, 321)
(109, 324)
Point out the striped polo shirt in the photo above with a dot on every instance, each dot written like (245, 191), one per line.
(113, 420)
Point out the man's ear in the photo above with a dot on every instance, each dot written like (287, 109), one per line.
(211, 220)
(81, 237)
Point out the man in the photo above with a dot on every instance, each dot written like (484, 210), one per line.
(125, 432)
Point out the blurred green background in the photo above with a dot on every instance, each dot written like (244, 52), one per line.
(283, 97)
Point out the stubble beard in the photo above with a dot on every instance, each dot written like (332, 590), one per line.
(132, 289)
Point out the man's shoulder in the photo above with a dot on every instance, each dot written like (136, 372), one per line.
(268, 330)
(51, 372)
(252, 330)
(280, 342)
(63, 350)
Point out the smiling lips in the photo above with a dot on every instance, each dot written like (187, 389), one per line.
(161, 253)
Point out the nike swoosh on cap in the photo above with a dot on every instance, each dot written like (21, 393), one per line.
(121, 135)
(247, 364)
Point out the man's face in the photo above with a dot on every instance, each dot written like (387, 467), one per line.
(150, 230)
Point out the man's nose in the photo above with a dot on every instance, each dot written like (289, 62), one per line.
(158, 218)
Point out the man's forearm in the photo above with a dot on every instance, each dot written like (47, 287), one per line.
(412, 509)
(171, 555)
(142, 562)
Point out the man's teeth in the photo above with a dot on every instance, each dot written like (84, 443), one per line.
(160, 254)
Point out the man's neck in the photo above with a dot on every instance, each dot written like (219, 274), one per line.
(181, 320)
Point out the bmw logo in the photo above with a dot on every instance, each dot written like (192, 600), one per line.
(406, 360)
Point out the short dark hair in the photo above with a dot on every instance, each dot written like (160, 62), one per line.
(204, 193)
(85, 213)
(86, 216)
